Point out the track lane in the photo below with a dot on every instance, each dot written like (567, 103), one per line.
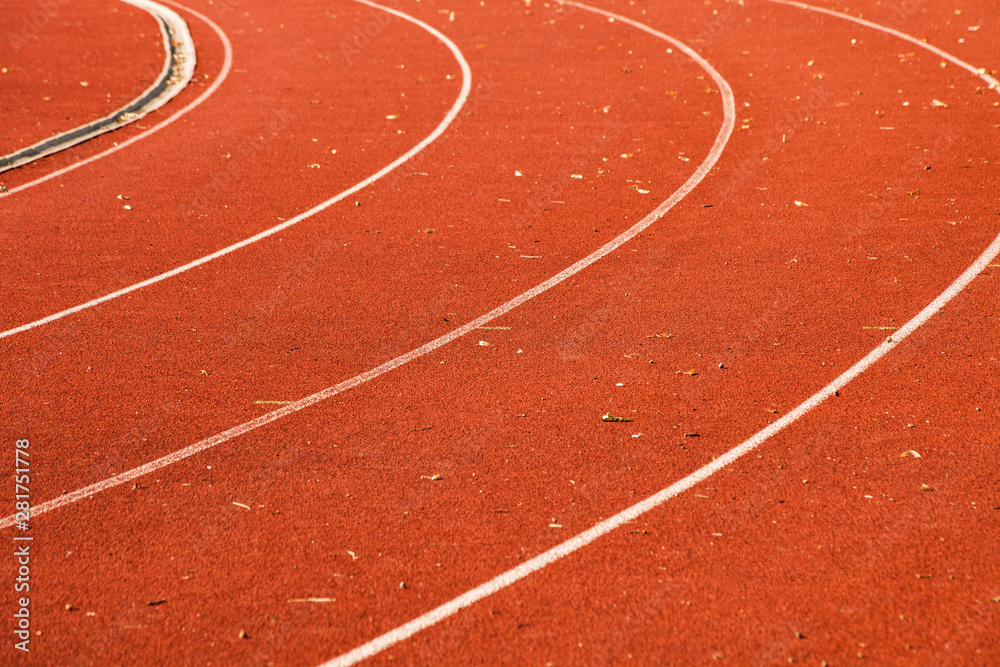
(419, 404)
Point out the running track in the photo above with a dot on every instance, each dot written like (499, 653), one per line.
(821, 544)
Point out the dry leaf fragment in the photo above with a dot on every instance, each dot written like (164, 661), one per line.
(910, 452)
(608, 418)
(483, 343)
(800, 203)
(926, 487)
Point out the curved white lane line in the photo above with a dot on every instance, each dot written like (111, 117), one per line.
(729, 108)
(226, 66)
(509, 577)
(178, 68)
(979, 72)
(442, 126)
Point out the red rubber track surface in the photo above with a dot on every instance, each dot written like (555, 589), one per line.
(70, 63)
(822, 545)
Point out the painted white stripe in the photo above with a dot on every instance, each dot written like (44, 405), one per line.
(438, 131)
(979, 72)
(729, 109)
(226, 66)
(176, 74)
(566, 548)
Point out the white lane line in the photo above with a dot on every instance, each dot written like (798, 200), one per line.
(566, 548)
(977, 71)
(438, 131)
(729, 109)
(226, 66)
(178, 68)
